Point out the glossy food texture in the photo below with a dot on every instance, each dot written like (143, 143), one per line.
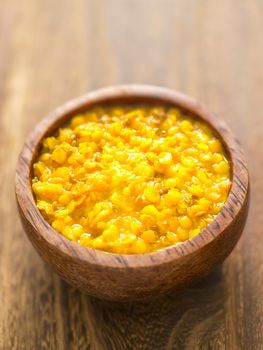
(131, 179)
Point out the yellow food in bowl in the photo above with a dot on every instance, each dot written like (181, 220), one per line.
(131, 179)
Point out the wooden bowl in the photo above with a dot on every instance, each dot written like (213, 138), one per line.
(131, 277)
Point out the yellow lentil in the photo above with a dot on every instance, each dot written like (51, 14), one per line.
(131, 179)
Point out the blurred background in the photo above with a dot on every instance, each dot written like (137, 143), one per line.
(52, 51)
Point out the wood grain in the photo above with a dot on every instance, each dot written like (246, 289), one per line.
(209, 49)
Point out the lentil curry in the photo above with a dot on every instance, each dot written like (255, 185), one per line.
(131, 179)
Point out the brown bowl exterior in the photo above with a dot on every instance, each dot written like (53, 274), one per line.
(133, 277)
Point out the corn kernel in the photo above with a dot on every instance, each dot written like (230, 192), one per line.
(148, 236)
(172, 198)
(182, 234)
(64, 199)
(185, 222)
(150, 210)
(205, 203)
(188, 162)
(165, 158)
(50, 143)
(46, 207)
(110, 234)
(203, 147)
(58, 224)
(85, 239)
(214, 146)
(205, 157)
(171, 183)
(213, 196)
(217, 158)
(172, 237)
(194, 233)
(147, 220)
(152, 194)
(77, 230)
(98, 243)
(196, 210)
(196, 191)
(78, 120)
(139, 247)
(173, 223)
(144, 170)
(59, 155)
(221, 168)
(186, 126)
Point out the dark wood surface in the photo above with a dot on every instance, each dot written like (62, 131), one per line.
(140, 276)
(53, 50)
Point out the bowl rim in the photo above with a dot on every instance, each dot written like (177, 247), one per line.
(130, 93)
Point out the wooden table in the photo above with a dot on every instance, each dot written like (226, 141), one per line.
(51, 51)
